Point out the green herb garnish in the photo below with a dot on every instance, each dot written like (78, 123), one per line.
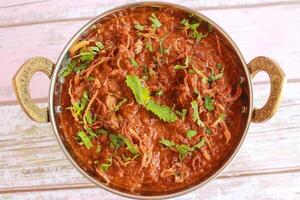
(195, 116)
(67, 69)
(139, 27)
(163, 112)
(209, 103)
(85, 139)
(186, 64)
(130, 146)
(87, 56)
(200, 144)
(105, 166)
(167, 143)
(191, 133)
(141, 93)
(149, 46)
(163, 50)
(115, 141)
(159, 93)
(208, 131)
(193, 27)
(134, 63)
(214, 76)
(78, 107)
(142, 96)
(155, 22)
(182, 149)
(182, 114)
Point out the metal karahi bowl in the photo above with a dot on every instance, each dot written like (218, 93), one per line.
(44, 115)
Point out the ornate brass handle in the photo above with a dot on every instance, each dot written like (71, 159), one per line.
(21, 82)
(277, 81)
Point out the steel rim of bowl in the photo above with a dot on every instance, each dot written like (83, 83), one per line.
(136, 196)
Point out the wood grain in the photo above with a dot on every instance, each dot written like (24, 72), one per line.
(30, 155)
(282, 186)
(256, 32)
(41, 11)
(32, 165)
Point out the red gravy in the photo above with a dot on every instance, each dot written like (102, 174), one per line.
(186, 70)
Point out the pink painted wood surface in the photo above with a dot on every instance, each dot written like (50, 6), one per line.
(32, 165)
(255, 30)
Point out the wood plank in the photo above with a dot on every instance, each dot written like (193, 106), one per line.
(30, 155)
(256, 31)
(46, 11)
(272, 186)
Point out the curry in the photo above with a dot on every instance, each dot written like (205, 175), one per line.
(153, 100)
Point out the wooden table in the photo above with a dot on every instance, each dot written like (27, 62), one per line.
(32, 165)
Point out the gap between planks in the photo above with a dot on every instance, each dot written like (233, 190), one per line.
(91, 185)
(201, 8)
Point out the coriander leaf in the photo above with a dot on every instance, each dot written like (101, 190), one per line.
(185, 22)
(208, 131)
(139, 27)
(134, 63)
(78, 107)
(163, 50)
(85, 139)
(149, 46)
(196, 117)
(214, 77)
(88, 118)
(200, 144)
(105, 166)
(178, 67)
(102, 132)
(99, 45)
(167, 143)
(155, 22)
(186, 64)
(65, 71)
(221, 118)
(90, 78)
(141, 93)
(91, 133)
(182, 114)
(219, 65)
(191, 133)
(87, 56)
(163, 112)
(209, 103)
(115, 141)
(130, 146)
(183, 150)
(159, 93)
